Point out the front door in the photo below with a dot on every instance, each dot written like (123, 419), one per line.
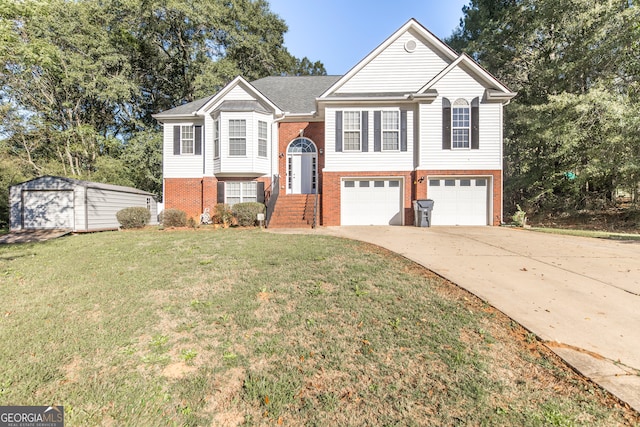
(302, 167)
(302, 170)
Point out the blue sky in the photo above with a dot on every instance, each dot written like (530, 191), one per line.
(342, 32)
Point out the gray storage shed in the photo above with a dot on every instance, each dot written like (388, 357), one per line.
(57, 202)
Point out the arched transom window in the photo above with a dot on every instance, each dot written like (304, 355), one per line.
(461, 124)
(301, 145)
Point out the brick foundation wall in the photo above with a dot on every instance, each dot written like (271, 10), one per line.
(420, 190)
(187, 194)
(193, 195)
(331, 194)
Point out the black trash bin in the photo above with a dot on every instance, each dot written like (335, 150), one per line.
(422, 212)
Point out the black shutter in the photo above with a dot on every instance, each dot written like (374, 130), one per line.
(338, 131)
(403, 130)
(365, 131)
(446, 124)
(176, 140)
(260, 191)
(475, 124)
(197, 134)
(377, 131)
(220, 198)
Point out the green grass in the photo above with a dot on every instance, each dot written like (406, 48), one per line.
(242, 327)
(588, 233)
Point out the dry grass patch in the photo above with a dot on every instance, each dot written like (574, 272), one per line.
(240, 327)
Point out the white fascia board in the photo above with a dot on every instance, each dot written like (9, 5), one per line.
(411, 24)
(476, 69)
(238, 81)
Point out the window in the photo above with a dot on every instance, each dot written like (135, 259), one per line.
(461, 124)
(240, 192)
(364, 183)
(378, 184)
(434, 182)
(237, 137)
(349, 184)
(262, 139)
(216, 139)
(351, 131)
(186, 139)
(449, 182)
(394, 184)
(465, 183)
(390, 131)
(481, 182)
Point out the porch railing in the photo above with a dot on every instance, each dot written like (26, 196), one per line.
(271, 197)
(315, 212)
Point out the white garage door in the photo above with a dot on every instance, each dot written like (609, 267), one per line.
(372, 201)
(459, 201)
(48, 209)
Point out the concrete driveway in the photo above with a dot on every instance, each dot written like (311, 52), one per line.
(580, 295)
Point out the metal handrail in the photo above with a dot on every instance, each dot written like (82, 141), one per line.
(315, 211)
(271, 197)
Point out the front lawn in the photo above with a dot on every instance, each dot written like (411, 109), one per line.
(243, 327)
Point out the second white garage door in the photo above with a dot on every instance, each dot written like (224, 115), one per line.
(373, 201)
(459, 201)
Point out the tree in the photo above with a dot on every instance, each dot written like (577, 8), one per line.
(572, 131)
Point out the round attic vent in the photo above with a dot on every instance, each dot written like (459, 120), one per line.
(410, 45)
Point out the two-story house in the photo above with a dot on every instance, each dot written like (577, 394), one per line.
(412, 120)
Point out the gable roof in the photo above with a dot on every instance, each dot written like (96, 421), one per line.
(412, 24)
(477, 69)
(295, 94)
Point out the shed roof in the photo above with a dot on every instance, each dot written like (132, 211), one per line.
(49, 179)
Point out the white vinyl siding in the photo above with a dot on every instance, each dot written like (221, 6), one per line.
(359, 161)
(180, 166)
(237, 137)
(460, 85)
(410, 71)
(240, 151)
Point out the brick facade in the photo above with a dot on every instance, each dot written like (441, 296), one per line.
(191, 195)
(290, 131)
(194, 195)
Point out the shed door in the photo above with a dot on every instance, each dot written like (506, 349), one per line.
(459, 201)
(373, 201)
(47, 209)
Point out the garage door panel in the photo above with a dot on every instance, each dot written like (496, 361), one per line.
(464, 201)
(371, 202)
(48, 209)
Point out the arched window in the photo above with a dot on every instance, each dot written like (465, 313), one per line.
(461, 124)
(302, 145)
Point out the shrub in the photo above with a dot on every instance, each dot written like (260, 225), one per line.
(133, 217)
(173, 218)
(222, 214)
(246, 213)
